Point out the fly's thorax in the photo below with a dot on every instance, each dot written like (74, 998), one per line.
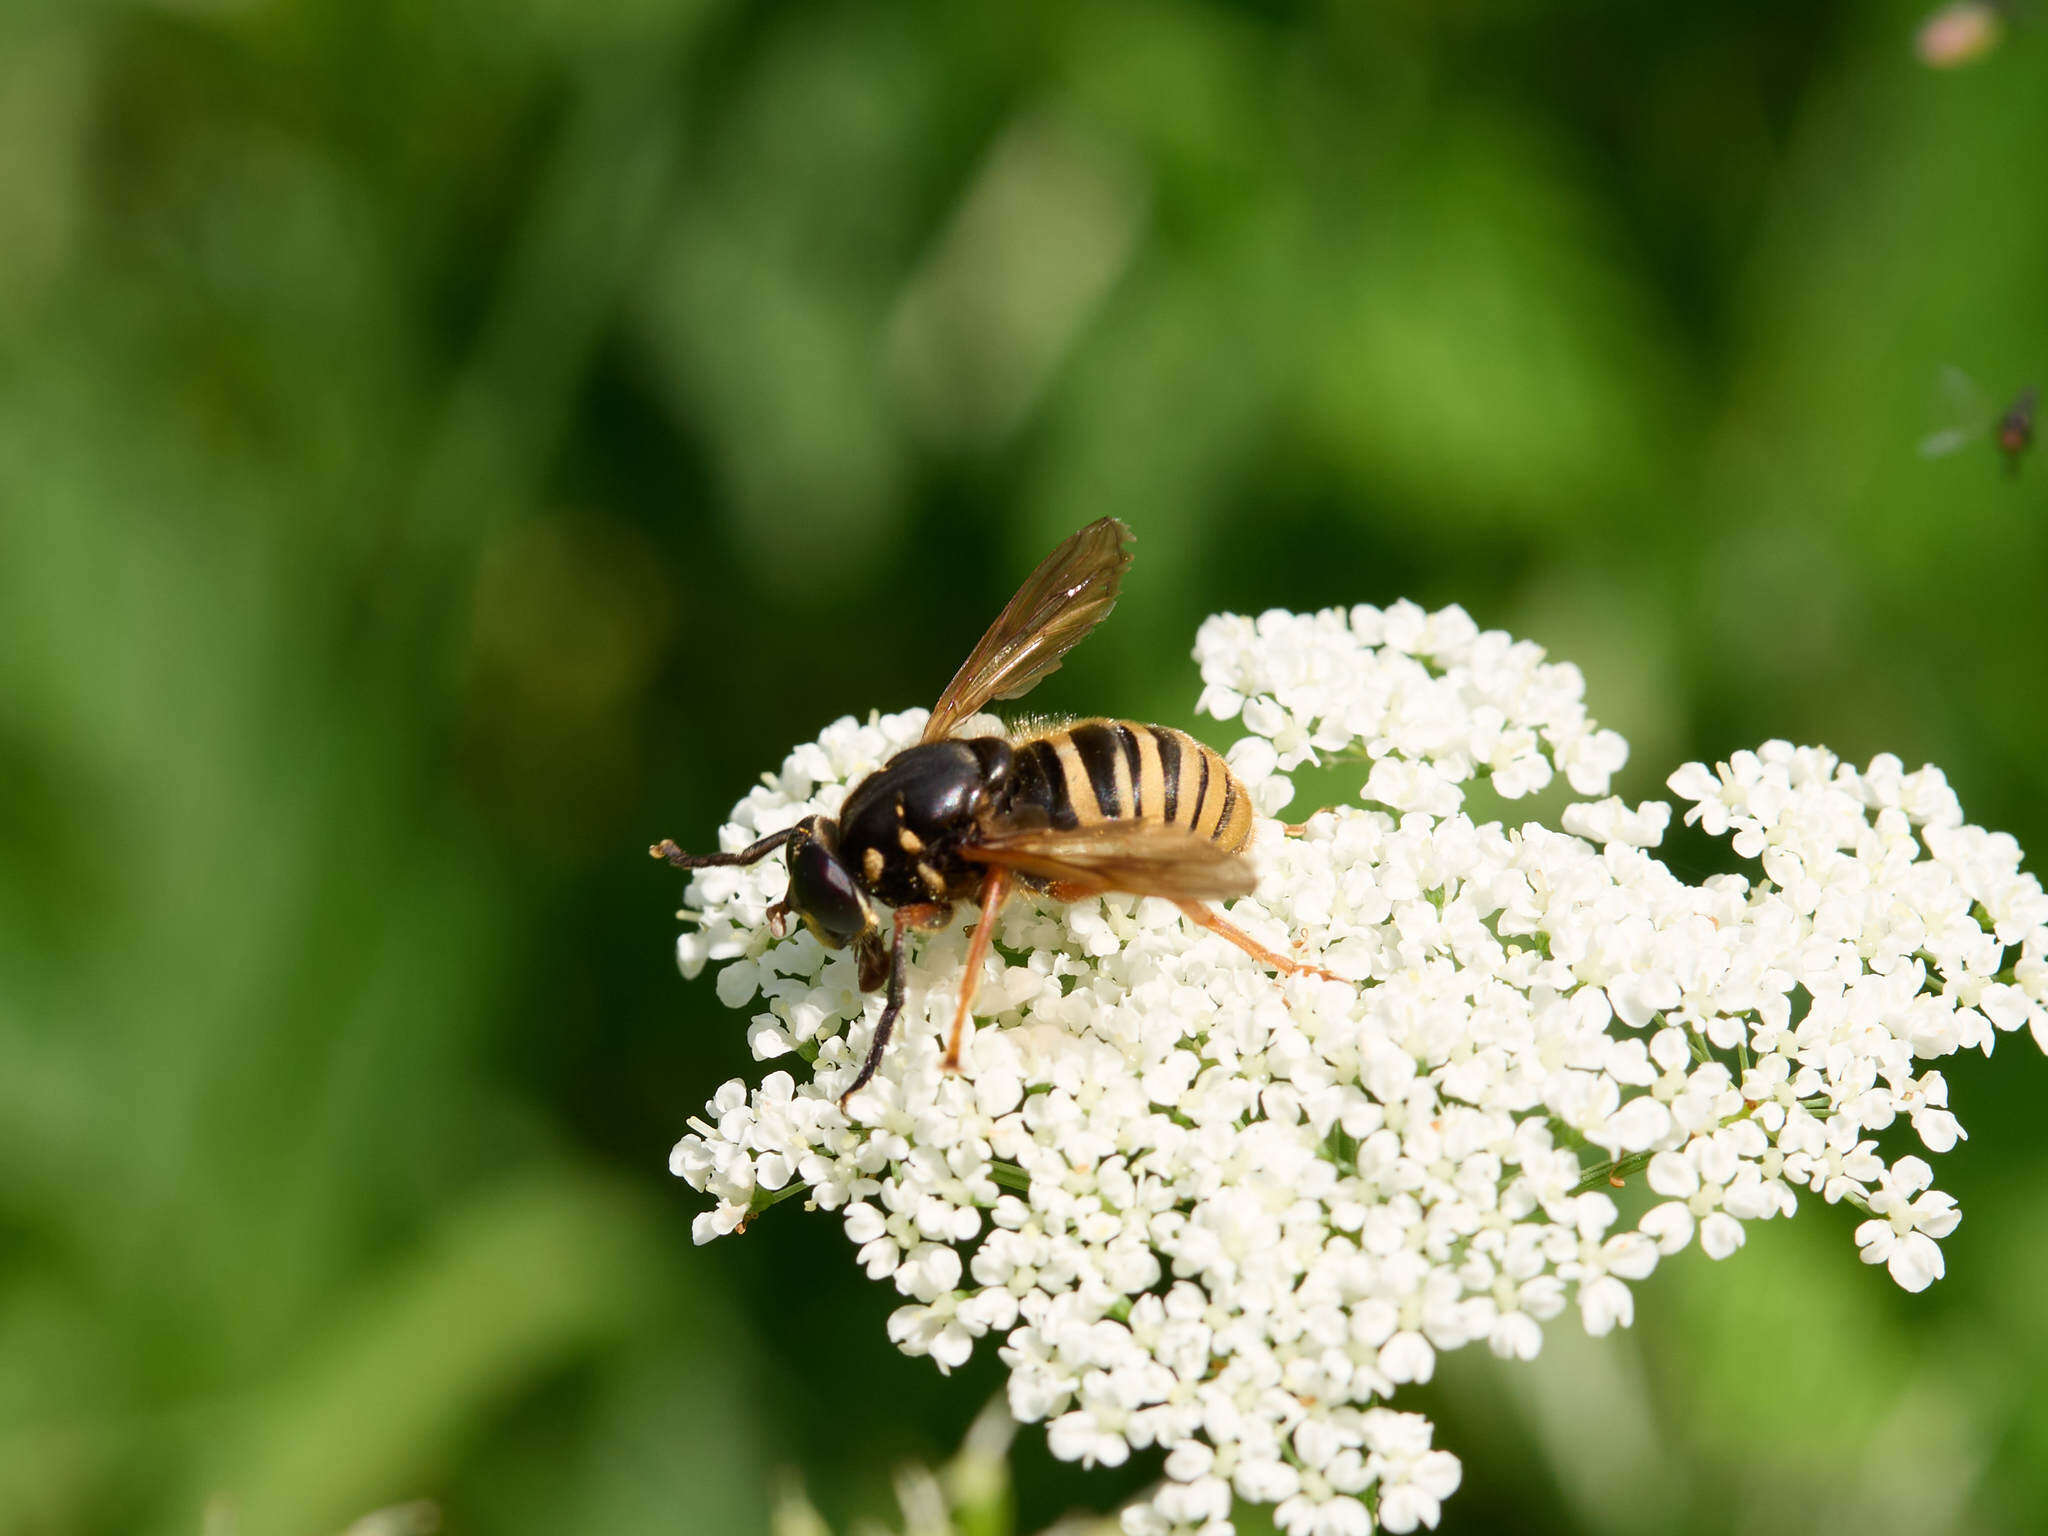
(902, 827)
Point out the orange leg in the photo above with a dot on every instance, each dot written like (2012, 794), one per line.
(1194, 911)
(925, 915)
(995, 890)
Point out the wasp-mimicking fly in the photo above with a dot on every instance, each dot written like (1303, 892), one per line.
(1075, 810)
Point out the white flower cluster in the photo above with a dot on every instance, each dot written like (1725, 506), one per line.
(1227, 1215)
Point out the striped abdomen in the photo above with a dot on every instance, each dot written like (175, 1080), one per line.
(1108, 770)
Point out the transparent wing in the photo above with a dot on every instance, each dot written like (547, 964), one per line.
(1137, 857)
(1963, 411)
(1071, 592)
(1938, 445)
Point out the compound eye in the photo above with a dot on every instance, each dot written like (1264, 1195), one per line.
(823, 894)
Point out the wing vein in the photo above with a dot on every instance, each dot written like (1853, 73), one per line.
(1071, 592)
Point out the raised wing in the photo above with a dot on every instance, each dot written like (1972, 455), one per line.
(1137, 857)
(1071, 592)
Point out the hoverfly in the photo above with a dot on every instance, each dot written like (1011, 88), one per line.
(1973, 418)
(1080, 809)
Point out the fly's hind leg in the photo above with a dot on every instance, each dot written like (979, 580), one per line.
(1196, 912)
(1300, 828)
(1296, 829)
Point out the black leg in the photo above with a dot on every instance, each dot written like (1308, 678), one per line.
(666, 849)
(899, 962)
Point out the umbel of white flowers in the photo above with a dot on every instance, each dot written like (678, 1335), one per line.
(1205, 1209)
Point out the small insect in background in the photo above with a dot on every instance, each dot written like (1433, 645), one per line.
(1971, 417)
(1075, 809)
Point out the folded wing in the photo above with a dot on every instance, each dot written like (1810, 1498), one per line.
(1137, 857)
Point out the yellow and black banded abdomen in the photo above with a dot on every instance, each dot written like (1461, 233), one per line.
(1115, 770)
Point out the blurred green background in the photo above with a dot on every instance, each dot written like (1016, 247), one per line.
(444, 446)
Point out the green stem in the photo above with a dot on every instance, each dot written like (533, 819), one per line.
(1614, 1170)
(1010, 1176)
(764, 1199)
(1617, 1169)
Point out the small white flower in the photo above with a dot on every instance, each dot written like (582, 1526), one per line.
(1911, 1217)
(1230, 1215)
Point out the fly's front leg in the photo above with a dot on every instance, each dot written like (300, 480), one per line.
(918, 915)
